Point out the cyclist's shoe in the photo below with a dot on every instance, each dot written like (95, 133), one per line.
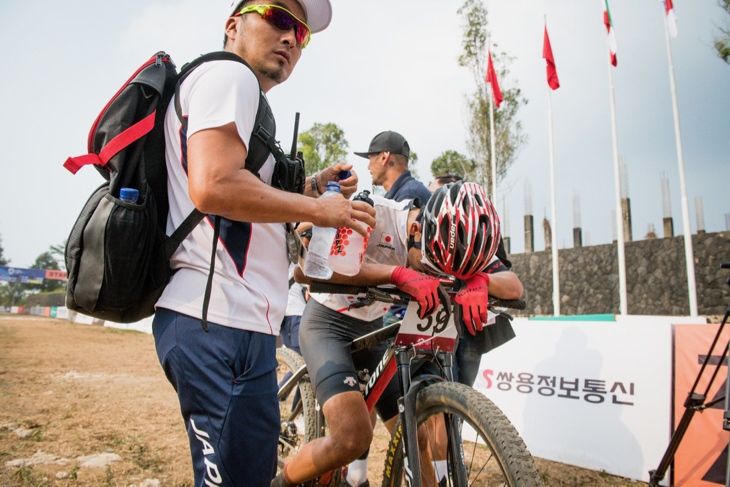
(345, 483)
(330, 479)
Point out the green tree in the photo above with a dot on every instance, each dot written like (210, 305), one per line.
(11, 293)
(323, 145)
(451, 162)
(722, 42)
(47, 261)
(3, 260)
(508, 130)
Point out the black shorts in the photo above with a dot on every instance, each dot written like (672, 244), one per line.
(325, 337)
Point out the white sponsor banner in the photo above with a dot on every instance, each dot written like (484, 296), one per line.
(62, 312)
(83, 319)
(144, 325)
(592, 394)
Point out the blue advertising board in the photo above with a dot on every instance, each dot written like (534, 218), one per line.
(25, 276)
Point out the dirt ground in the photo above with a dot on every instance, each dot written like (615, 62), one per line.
(89, 405)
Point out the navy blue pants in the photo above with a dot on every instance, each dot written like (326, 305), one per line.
(226, 383)
(466, 360)
(289, 334)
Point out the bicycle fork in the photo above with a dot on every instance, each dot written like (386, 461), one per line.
(453, 431)
(406, 410)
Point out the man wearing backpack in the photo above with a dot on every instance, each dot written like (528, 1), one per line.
(225, 377)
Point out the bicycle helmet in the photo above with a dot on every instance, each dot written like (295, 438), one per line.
(460, 230)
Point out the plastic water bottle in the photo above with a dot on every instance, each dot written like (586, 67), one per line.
(321, 243)
(348, 248)
(128, 195)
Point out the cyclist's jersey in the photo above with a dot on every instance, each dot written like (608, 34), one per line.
(387, 245)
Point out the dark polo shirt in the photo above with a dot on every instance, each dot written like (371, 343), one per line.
(406, 187)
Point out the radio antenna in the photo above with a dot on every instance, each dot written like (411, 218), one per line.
(296, 136)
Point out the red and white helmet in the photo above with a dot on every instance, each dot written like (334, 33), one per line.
(460, 230)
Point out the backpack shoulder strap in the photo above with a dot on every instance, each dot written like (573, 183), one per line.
(264, 124)
(188, 68)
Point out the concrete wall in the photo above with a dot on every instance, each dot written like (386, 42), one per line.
(655, 275)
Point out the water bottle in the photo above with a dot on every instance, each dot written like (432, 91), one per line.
(321, 243)
(348, 248)
(128, 195)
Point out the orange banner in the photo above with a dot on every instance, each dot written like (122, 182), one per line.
(701, 460)
(58, 275)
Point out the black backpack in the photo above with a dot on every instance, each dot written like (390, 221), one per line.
(118, 254)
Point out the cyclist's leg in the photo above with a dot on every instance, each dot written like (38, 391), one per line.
(324, 339)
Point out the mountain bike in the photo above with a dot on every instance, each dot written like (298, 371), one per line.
(440, 421)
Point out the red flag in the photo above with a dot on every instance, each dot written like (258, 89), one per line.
(612, 46)
(492, 79)
(671, 18)
(547, 53)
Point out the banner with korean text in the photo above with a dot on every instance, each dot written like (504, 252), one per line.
(592, 394)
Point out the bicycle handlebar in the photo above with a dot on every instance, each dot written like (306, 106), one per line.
(377, 291)
(329, 288)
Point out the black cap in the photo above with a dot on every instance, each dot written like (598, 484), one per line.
(387, 141)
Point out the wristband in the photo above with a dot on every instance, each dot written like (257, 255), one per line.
(315, 189)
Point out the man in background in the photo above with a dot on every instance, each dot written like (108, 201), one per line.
(388, 154)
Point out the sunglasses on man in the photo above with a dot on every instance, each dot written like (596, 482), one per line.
(282, 19)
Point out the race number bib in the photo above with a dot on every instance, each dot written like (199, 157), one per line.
(437, 331)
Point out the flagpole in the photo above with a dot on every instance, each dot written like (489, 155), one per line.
(556, 269)
(689, 254)
(617, 180)
(493, 144)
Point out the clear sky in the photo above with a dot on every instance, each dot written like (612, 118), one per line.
(387, 65)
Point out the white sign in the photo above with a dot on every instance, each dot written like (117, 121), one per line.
(438, 327)
(592, 394)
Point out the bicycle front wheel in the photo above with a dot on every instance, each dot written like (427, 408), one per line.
(298, 415)
(493, 452)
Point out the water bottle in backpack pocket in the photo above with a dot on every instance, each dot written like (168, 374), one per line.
(115, 245)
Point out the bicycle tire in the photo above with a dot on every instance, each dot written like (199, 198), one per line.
(511, 459)
(293, 436)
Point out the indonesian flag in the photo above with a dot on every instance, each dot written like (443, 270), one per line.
(547, 53)
(492, 79)
(671, 18)
(611, 34)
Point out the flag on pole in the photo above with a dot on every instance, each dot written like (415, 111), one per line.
(671, 18)
(611, 34)
(492, 79)
(547, 53)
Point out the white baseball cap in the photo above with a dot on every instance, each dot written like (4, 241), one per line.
(318, 13)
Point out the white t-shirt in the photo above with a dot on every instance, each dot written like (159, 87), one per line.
(249, 285)
(387, 245)
(295, 303)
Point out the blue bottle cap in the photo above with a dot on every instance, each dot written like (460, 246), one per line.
(344, 175)
(129, 195)
(333, 186)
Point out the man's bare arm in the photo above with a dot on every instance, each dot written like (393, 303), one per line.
(219, 184)
(505, 285)
(369, 275)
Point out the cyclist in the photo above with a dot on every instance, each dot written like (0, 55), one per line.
(455, 234)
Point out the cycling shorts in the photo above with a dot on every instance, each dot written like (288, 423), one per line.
(325, 337)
